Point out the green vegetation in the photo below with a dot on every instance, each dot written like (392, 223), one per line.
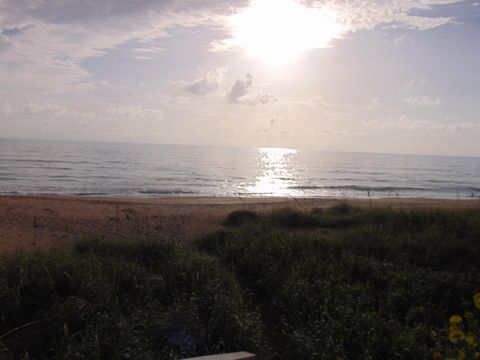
(241, 217)
(340, 283)
(464, 334)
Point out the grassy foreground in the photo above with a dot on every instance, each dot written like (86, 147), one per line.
(343, 283)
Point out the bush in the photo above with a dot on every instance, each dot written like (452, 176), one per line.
(292, 218)
(241, 217)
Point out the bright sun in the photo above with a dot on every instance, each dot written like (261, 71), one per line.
(278, 31)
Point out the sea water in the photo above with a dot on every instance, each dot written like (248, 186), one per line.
(88, 168)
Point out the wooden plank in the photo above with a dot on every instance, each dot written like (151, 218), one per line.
(232, 356)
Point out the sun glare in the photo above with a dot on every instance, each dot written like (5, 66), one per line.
(276, 177)
(279, 31)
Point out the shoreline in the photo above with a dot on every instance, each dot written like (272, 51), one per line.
(48, 220)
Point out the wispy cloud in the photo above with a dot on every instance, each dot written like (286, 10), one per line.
(403, 40)
(146, 53)
(422, 100)
(374, 104)
(360, 15)
(57, 37)
(134, 112)
(320, 104)
(46, 108)
(404, 122)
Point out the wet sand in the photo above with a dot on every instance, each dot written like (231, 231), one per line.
(44, 221)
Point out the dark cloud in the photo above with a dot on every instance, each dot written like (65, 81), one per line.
(239, 93)
(14, 30)
(240, 89)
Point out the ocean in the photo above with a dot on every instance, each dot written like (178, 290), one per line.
(88, 168)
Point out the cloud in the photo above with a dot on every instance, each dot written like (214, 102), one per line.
(47, 108)
(4, 39)
(207, 84)
(374, 104)
(404, 39)
(415, 84)
(404, 122)
(134, 112)
(415, 89)
(146, 53)
(422, 100)
(5, 109)
(259, 99)
(91, 11)
(45, 46)
(112, 113)
(4, 43)
(461, 126)
(320, 104)
(44, 43)
(241, 88)
(358, 15)
(48, 41)
(419, 22)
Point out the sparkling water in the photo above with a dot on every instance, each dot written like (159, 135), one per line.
(87, 168)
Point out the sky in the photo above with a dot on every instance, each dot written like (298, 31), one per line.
(390, 76)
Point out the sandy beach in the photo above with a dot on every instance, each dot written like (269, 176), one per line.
(43, 221)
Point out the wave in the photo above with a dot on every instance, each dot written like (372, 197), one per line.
(165, 192)
(383, 188)
(45, 161)
(9, 178)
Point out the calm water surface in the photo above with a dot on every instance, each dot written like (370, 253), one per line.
(54, 167)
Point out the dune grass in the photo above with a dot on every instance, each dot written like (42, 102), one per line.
(351, 284)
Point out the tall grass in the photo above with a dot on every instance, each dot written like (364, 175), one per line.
(121, 300)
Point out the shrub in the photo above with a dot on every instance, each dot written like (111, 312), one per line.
(241, 217)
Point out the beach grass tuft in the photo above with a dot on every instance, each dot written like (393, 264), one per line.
(241, 217)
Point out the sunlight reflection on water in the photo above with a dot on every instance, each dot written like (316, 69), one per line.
(277, 173)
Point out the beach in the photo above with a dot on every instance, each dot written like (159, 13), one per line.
(45, 221)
